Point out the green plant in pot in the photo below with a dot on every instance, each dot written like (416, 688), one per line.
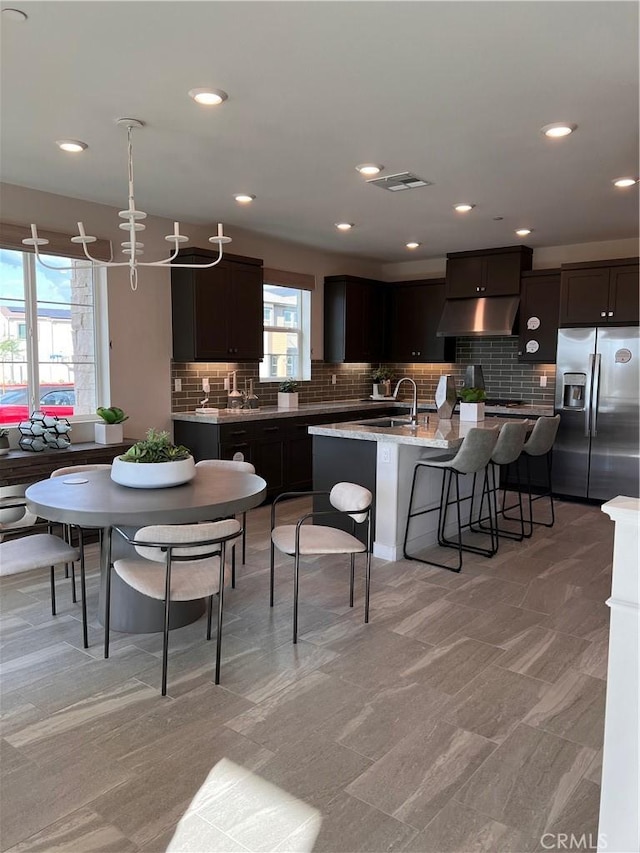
(472, 404)
(154, 462)
(108, 430)
(288, 394)
(381, 381)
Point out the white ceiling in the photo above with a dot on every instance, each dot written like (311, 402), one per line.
(455, 92)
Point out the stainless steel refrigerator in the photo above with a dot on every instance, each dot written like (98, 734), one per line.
(596, 454)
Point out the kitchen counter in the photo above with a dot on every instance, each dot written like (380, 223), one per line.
(228, 416)
(446, 435)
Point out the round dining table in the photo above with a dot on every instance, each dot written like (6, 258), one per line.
(91, 499)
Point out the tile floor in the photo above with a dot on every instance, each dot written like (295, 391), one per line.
(467, 716)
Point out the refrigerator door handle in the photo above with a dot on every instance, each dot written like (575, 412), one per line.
(589, 397)
(595, 393)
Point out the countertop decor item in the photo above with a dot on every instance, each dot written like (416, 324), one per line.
(288, 394)
(154, 463)
(4, 442)
(133, 226)
(445, 396)
(472, 404)
(381, 382)
(44, 431)
(109, 429)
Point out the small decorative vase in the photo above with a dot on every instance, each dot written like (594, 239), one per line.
(108, 433)
(472, 412)
(152, 475)
(445, 397)
(287, 401)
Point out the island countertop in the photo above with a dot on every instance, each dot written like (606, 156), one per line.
(446, 435)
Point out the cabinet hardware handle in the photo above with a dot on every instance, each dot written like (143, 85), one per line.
(603, 313)
(238, 432)
(477, 290)
(271, 429)
(610, 314)
(235, 446)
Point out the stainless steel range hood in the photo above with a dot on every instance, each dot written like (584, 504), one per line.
(490, 315)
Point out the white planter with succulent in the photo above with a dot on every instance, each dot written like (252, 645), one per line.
(4, 442)
(381, 381)
(109, 429)
(288, 395)
(154, 463)
(472, 404)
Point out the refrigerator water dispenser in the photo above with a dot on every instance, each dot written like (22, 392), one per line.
(573, 390)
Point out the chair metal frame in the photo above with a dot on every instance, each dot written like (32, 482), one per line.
(367, 511)
(169, 560)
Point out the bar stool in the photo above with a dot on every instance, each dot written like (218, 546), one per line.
(509, 447)
(473, 457)
(540, 443)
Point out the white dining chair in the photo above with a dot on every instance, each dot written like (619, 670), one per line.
(175, 562)
(39, 550)
(304, 540)
(232, 465)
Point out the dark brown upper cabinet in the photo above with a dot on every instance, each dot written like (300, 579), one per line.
(354, 319)
(217, 313)
(489, 272)
(415, 309)
(600, 293)
(539, 307)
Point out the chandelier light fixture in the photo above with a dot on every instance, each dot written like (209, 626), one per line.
(132, 247)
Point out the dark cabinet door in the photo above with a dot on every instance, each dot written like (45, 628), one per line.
(217, 313)
(354, 318)
(539, 307)
(415, 313)
(584, 296)
(623, 295)
(502, 275)
(299, 460)
(268, 458)
(465, 277)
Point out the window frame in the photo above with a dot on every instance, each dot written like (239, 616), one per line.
(302, 333)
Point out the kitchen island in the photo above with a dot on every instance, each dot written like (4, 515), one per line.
(382, 458)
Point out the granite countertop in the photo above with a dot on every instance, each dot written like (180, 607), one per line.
(446, 435)
(229, 416)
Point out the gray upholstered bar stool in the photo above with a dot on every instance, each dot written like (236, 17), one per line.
(507, 451)
(473, 457)
(540, 443)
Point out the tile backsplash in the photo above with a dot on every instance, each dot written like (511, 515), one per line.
(504, 377)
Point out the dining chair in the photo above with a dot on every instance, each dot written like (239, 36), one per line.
(232, 465)
(37, 551)
(349, 501)
(175, 562)
(70, 470)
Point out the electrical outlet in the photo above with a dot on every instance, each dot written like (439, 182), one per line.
(334, 379)
(543, 380)
(177, 384)
(385, 454)
(227, 387)
(205, 386)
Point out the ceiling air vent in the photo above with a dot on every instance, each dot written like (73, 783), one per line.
(401, 181)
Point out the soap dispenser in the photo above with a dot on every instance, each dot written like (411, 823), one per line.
(251, 401)
(235, 397)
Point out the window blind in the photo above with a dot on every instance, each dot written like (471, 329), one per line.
(11, 237)
(299, 280)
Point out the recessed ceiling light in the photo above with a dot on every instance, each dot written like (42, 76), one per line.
(244, 198)
(369, 169)
(14, 15)
(74, 146)
(344, 226)
(522, 232)
(558, 129)
(412, 245)
(208, 97)
(463, 208)
(625, 182)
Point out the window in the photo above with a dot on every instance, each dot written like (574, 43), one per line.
(287, 348)
(48, 352)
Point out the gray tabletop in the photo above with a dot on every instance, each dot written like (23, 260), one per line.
(99, 502)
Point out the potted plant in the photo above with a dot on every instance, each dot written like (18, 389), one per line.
(108, 430)
(154, 463)
(472, 404)
(4, 442)
(381, 381)
(288, 395)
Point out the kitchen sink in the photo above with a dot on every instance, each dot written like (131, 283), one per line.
(387, 423)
